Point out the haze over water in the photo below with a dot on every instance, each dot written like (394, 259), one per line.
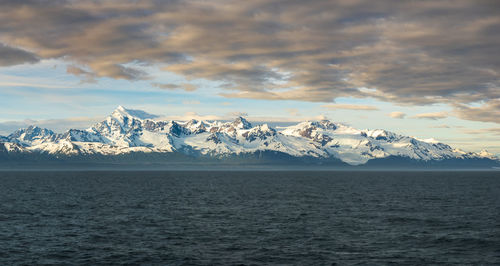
(252, 217)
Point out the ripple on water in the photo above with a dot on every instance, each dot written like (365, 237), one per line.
(288, 218)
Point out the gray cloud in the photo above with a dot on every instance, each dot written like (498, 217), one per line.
(167, 86)
(488, 112)
(13, 56)
(408, 52)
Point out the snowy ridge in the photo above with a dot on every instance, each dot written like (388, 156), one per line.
(127, 131)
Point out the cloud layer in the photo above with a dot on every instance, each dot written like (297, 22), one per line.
(431, 116)
(13, 56)
(407, 52)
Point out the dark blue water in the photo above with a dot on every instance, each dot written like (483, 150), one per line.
(249, 218)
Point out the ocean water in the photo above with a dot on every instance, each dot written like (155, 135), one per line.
(249, 218)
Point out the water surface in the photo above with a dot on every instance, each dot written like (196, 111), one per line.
(249, 218)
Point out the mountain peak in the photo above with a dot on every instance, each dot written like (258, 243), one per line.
(487, 154)
(242, 123)
(121, 111)
(327, 124)
(31, 132)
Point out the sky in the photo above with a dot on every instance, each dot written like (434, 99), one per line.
(429, 69)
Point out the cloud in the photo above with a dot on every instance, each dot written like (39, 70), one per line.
(398, 115)
(492, 131)
(24, 80)
(440, 126)
(87, 75)
(237, 114)
(189, 87)
(431, 116)
(488, 112)
(10, 56)
(170, 86)
(57, 125)
(407, 52)
(167, 86)
(349, 107)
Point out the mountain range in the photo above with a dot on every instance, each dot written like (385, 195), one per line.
(133, 136)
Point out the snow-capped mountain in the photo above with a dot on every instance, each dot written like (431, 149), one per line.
(127, 131)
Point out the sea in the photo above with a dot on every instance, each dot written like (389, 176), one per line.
(249, 217)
